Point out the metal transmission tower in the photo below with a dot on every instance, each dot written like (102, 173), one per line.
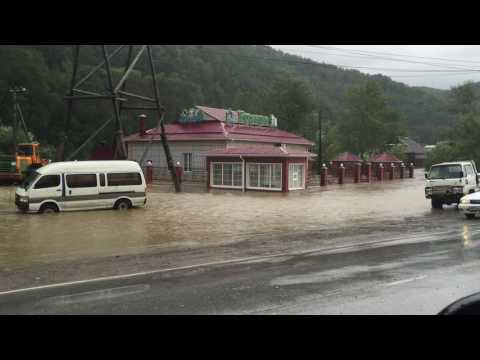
(117, 94)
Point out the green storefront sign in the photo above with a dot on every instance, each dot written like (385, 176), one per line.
(252, 119)
(232, 117)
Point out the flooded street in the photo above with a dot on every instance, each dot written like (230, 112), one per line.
(335, 250)
(199, 219)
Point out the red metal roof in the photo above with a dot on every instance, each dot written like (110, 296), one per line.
(385, 157)
(259, 151)
(218, 130)
(346, 157)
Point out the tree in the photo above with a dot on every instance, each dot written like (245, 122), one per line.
(464, 99)
(6, 139)
(443, 152)
(289, 99)
(460, 141)
(368, 123)
(400, 151)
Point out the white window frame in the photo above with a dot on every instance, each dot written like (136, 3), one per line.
(290, 166)
(226, 186)
(187, 160)
(270, 176)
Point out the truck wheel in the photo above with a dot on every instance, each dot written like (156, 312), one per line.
(470, 216)
(123, 204)
(437, 204)
(48, 209)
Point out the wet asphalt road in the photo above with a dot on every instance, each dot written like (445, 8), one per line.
(413, 273)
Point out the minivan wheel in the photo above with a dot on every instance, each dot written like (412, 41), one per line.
(470, 216)
(48, 209)
(123, 204)
(437, 203)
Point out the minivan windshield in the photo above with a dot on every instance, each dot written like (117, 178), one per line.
(445, 172)
(29, 180)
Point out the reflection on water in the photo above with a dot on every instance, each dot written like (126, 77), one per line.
(466, 236)
(194, 219)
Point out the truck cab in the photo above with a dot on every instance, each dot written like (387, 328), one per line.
(15, 167)
(448, 182)
(28, 157)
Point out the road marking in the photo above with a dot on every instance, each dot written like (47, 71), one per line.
(405, 281)
(341, 248)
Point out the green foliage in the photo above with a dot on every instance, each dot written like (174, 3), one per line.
(443, 152)
(289, 99)
(399, 150)
(464, 99)
(6, 139)
(368, 123)
(461, 141)
(47, 152)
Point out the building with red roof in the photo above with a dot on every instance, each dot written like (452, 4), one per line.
(385, 158)
(230, 149)
(347, 157)
(348, 160)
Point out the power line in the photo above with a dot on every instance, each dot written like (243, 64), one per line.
(364, 54)
(315, 63)
(426, 75)
(396, 54)
(361, 56)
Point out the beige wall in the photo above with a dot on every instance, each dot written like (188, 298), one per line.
(199, 149)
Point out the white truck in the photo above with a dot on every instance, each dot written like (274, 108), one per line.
(447, 183)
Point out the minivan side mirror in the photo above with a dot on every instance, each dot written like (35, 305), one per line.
(461, 174)
(426, 176)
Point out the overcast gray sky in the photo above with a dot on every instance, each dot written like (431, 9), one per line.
(437, 66)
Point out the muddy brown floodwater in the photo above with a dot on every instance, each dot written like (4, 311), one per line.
(189, 220)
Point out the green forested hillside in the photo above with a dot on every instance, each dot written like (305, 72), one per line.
(213, 75)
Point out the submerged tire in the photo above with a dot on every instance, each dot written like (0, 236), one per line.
(123, 204)
(470, 216)
(48, 209)
(437, 204)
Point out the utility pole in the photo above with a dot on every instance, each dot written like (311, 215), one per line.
(320, 150)
(14, 129)
(14, 91)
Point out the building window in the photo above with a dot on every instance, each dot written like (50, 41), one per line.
(264, 176)
(296, 176)
(187, 162)
(228, 175)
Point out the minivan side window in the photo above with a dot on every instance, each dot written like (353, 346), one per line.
(124, 179)
(81, 180)
(102, 179)
(48, 181)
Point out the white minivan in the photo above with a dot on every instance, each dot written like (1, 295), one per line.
(82, 185)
